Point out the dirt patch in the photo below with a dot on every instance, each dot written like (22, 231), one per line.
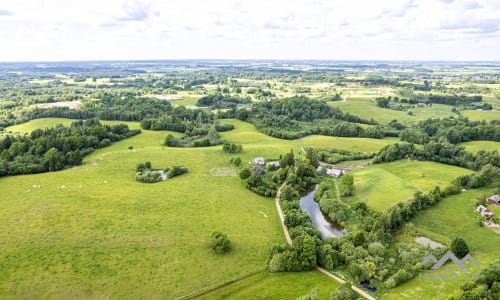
(222, 172)
(422, 240)
(70, 104)
(167, 97)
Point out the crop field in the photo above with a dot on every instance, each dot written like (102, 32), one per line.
(383, 185)
(367, 108)
(454, 216)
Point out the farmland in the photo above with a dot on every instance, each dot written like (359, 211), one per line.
(93, 231)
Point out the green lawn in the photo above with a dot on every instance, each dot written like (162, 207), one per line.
(38, 123)
(276, 286)
(454, 216)
(366, 107)
(475, 146)
(383, 185)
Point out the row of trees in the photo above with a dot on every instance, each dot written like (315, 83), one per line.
(440, 151)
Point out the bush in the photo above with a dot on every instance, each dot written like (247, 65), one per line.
(245, 173)
(220, 244)
(148, 177)
(459, 247)
(176, 171)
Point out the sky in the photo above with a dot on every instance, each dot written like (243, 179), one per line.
(55, 30)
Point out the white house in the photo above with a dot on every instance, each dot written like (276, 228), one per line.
(334, 172)
(259, 160)
(483, 210)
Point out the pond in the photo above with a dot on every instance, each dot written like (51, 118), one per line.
(327, 228)
(163, 175)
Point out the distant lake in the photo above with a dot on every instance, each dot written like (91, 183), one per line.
(327, 228)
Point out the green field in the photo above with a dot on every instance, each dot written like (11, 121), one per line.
(276, 286)
(383, 185)
(454, 216)
(366, 107)
(479, 115)
(475, 146)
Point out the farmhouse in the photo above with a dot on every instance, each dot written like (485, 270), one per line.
(334, 172)
(259, 160)
(275, 164)
(495, 199)
(483, 210)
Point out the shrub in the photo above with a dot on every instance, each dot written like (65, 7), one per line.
(220, 244)
(459, 247)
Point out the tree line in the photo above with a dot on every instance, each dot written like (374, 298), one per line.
(56, 148)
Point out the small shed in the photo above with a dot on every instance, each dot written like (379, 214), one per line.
(495, 199)
(483, 210)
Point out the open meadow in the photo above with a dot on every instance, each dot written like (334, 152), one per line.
(383, 185)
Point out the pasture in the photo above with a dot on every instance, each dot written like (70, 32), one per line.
(366, 107)
(383, 185)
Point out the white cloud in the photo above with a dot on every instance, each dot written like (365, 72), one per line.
(321, 29)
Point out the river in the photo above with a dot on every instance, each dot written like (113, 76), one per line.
(319, 221)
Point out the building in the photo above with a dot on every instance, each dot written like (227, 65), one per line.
(483, 210)
(259, 160)
(274, 164)
(495, 199)
(334, 172)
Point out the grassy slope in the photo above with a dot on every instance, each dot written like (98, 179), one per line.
(366, 107)
(453, 217)
(107, 235)
(383, 185)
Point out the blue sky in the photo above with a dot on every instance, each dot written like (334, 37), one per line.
(250, 29)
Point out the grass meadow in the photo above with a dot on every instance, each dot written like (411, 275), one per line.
(383, 185)
(366, 107)
(475, 146)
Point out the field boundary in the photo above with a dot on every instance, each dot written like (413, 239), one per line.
(206, 290)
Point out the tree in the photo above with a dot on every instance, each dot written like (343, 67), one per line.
(342, 293)
(213, 136)
(459, 247)
(220, 244)
(245, 173)
(347, 185)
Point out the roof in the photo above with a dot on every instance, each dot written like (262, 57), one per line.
(480, 208)
(274, 163)
(494, 198)
(334, 172)
(259, 160)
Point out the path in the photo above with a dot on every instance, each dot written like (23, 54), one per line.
(280, 213)
(289, 241)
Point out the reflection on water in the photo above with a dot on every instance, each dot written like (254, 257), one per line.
(319, 221)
